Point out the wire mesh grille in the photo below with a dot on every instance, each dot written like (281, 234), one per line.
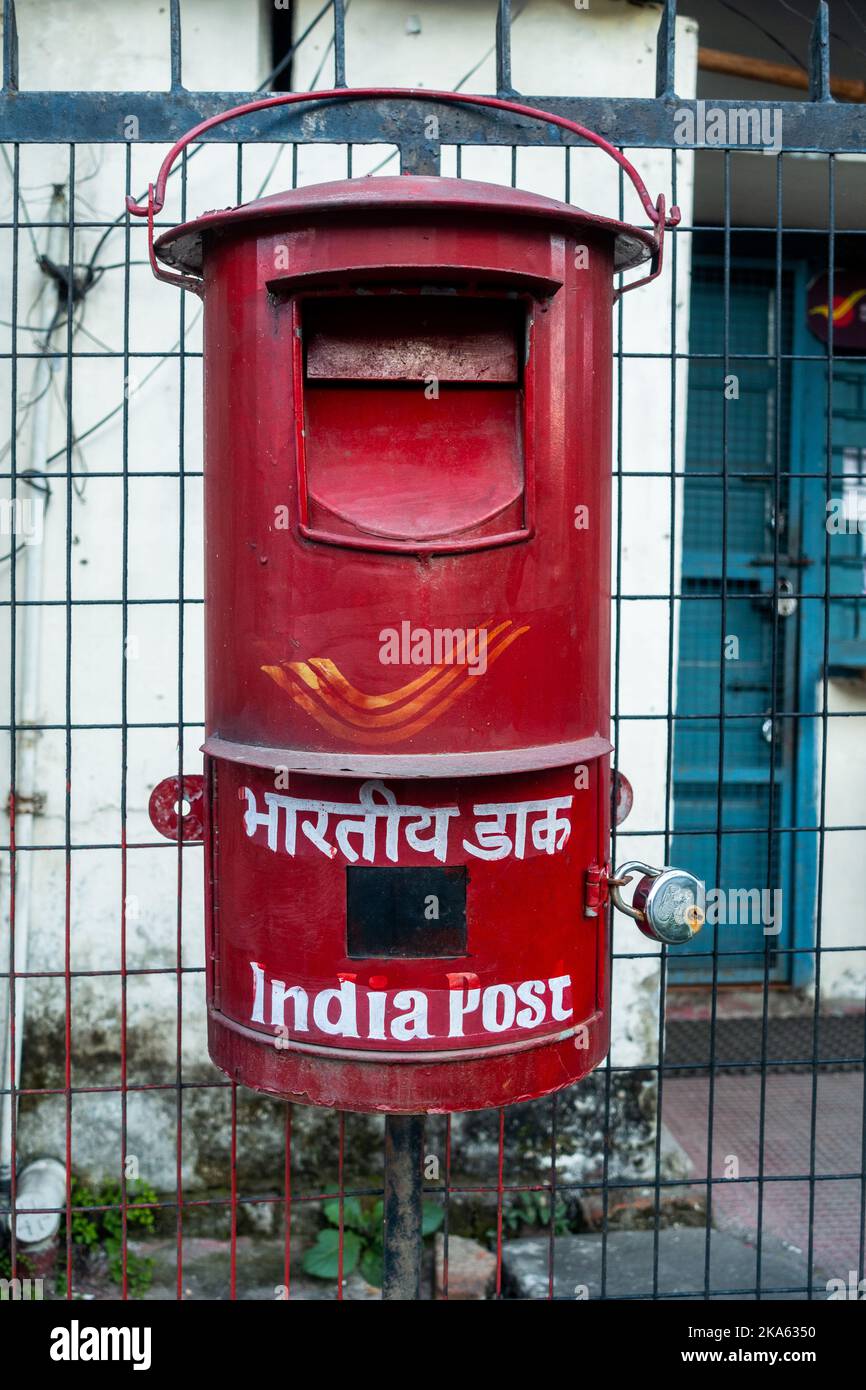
(746, 785)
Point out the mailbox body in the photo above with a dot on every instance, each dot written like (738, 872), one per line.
(407, 553)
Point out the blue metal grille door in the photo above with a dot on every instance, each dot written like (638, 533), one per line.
(731, 764)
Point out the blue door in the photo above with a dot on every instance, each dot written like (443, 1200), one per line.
(737, 628)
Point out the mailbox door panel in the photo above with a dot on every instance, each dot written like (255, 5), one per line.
(311, 467)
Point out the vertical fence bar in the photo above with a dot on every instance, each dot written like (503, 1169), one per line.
(10, 47)
(774, 349)
(67, 809)
(500, 1200)
(446, 1223)
(819, 55)
(233, 1251)
(616, 594)
(124, 728)
(666, 52)
(175, 45)
(554, 1198)
(339, 43)
(181, 751)
(287, 1203)
(825, 696)
(723, 689)
(341, 1205)
(503, 49)
(9, 1185)
(673, 587)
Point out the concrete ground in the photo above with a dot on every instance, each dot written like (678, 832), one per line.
(632, 1264)
(788, 1138)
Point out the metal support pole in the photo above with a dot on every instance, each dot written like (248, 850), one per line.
(404, 1144)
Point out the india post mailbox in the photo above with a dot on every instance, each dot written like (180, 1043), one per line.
(407, 789)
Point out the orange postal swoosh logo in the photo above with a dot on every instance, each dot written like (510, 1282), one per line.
(843, 309)
(319, 687)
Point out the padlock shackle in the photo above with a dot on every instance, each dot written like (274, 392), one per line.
(656, 212)
(621, 878)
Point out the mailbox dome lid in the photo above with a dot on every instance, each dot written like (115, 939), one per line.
(181, 247)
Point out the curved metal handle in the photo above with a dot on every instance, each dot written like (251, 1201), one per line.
(622, 877)
(156, 192)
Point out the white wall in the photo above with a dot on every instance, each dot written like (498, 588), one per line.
(843, 915)
(104, 44)
(608, 49)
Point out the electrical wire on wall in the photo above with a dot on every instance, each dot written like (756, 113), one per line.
(89, 276)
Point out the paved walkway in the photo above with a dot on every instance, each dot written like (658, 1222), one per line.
(839, 1139)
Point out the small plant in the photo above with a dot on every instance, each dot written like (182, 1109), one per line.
(26, 1269)
(532, 1210)
(93, 1229)
(362, 1239)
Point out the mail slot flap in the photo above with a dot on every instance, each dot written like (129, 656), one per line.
(412, 338)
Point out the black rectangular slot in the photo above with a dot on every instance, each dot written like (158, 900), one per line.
(411, 913)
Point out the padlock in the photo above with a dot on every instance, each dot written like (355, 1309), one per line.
(667, 903)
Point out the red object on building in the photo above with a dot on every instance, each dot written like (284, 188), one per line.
(407, 537)
(849, 309)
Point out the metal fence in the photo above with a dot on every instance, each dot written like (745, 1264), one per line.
(740, 297)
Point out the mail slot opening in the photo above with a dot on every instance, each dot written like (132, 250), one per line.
(414, 420)
(405, 913)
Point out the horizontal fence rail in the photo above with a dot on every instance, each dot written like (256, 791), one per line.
(819, 124)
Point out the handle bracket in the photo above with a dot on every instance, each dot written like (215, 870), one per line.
(176, 807)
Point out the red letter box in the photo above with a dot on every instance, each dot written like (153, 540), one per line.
(407, 529)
